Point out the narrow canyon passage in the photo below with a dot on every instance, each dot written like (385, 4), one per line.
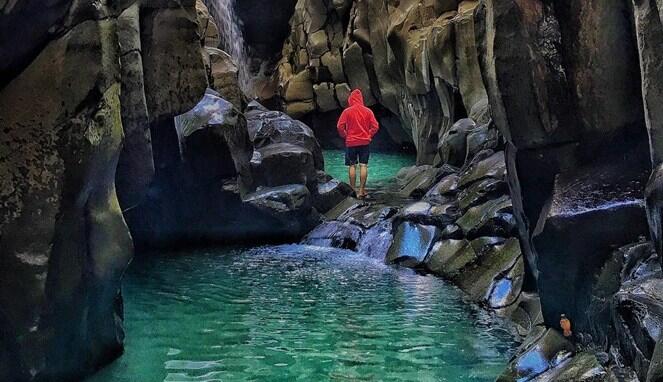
(175, 206)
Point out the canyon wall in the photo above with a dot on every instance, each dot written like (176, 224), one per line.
(573, 86)
(81, 83)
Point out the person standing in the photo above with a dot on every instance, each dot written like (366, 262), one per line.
(357, 125)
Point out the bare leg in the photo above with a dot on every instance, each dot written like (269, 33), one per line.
(363, 176)
(352, 173)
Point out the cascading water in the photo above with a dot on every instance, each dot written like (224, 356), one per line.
(232, 40)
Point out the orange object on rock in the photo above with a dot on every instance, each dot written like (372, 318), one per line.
(565, 324)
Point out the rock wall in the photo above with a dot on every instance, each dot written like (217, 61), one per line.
(77, 96)
(416, 60)
(573, 87)
(566, 83)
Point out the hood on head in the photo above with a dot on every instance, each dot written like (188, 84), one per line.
(356, 98)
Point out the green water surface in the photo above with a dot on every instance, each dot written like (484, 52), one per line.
(299, 313)
(382, 167)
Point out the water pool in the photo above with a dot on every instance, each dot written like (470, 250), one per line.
(298, 313)
(382, 166)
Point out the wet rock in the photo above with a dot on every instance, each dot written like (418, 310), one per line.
(335, 234)
(639, 321)
(484, 166)
(426, 213)
(537, 356)
(622, 266)
(447, 258)
(411, 244)
(369, 214)
(499, 269)
(344, 207)
(655, 372)
(592, 210)
(485, 137)
(330, 193)
(213, 139)
(583, 367)
(480, 192)
(376, 241)
(291, 205)
(444, 190)
(420, 180)
(451, 231)
(491, 218)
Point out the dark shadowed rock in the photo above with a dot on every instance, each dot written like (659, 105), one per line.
(290, 205)
(592, 211)
(330, 193)
(480, 192)
(64, 243)
(453, 146)
(444, 190)
(335, 234)
(269, 127)
(278, 164)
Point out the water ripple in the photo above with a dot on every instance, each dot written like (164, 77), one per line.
(292, 313)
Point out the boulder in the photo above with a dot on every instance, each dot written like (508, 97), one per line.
(329, 194)
(444, 190)
(422, 178)
(268, 127)
(485, 164)
(335, 234)
(411, 244)
(290, 205)
(278, 164)
(377, 240)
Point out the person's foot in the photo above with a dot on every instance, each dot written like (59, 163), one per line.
(362, 194)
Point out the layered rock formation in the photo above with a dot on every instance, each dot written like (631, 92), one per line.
(78, 94)
(416, 60)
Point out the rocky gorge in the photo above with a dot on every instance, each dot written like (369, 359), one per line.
(537, 188)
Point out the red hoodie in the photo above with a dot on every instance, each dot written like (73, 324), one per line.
(357, 123)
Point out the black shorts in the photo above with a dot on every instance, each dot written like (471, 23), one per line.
(357, 154)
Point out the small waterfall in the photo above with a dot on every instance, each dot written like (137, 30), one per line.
(232, 40)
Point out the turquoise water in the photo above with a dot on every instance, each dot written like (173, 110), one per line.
(381, 166)
(297, 313)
